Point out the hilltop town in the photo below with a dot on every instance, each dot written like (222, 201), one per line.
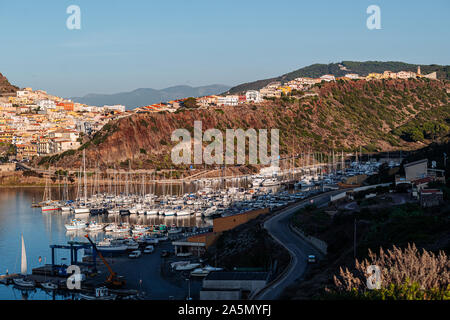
(36, 123)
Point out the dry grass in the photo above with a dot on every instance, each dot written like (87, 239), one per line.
(410, 266)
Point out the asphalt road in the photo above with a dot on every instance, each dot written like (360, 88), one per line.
(299, 249)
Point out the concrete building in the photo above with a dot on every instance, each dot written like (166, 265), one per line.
(197, 244)
(416, 170)
(222, 285)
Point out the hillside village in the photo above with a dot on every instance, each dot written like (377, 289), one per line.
(39, 124)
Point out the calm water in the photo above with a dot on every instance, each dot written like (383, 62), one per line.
(42, 229)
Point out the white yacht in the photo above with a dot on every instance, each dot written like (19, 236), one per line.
(152, 212)
(184, 212)
(94, 226)
(270, 182)
(109, 246)
(76, 224)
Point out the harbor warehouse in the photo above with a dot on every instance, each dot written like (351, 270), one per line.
(222, 285)
(416, 170)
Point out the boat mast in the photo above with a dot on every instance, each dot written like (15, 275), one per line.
(85, 176)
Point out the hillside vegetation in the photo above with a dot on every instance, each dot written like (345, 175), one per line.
(343, 115)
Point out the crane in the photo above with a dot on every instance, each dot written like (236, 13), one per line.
(113, 279)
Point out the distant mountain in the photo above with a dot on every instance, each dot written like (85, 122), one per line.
(344, 67)
(146, 96)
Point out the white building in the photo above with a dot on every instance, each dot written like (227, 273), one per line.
(253, 96)
(328, 77)
(271, 90)
(22, 93)
(406, 74)
(228, 101)
(352, 76)
(46, 104)
(116, 107)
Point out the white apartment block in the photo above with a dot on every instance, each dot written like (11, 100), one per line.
(253, 96)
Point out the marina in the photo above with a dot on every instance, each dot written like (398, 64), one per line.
(131, 227)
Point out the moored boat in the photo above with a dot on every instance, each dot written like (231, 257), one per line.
(100, 294)
(76, 224)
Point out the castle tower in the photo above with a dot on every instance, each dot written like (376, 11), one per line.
(418, 69)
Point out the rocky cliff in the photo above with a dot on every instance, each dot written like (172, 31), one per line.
(6, 89)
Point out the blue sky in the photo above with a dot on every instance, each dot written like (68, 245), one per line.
(124, 45)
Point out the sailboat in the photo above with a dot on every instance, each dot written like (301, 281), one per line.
(47, 203)
(23, 282)
(83, 209)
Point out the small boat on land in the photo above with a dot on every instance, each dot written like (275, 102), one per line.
(199, 272)
(111, 246)
(203, 272)
(187, 267)
(149, 249)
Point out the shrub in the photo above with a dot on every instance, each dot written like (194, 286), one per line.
(405, 274)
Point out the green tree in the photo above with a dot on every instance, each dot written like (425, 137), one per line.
(190, 103)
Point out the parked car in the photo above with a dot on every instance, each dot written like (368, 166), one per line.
(149, 249)
(135, 254)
